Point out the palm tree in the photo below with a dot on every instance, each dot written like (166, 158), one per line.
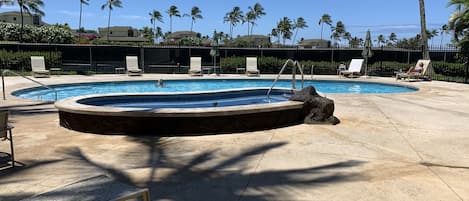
(392, 37)
(28, 6)
(338, 31)
(300, 23)
(347, 36)
(325, 19)
(195, 14)
(275, 33)
(380, 40)
(431, 34)
(284, 28)
(110, 4)
(249, 18)
(158, 34)
(154, 17)
(443, 31)
(234, 17)
(172, 11)
(254, 13)
(423, 31)
(459, 23)
(82, 2)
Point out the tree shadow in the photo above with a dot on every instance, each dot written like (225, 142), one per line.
(204, 176)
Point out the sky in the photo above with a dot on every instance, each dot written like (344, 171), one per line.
(378, 16)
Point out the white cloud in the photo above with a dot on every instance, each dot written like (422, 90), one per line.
(74, 13)
(9, 7)
(133, 17)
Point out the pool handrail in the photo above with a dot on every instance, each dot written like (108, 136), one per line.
(32, 80)
(296, 64)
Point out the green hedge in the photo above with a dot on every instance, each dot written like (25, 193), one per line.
(21, 60)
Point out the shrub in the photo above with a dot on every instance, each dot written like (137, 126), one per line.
(22, 60)
(31, 34)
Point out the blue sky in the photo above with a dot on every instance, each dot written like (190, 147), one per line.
(380, 16)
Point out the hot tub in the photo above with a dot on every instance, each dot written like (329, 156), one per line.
(224, 111)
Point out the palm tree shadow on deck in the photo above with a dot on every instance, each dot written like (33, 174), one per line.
(204, 176)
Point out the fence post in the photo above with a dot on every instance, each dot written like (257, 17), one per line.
(466, 75)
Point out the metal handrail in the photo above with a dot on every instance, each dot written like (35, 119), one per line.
(35, 81)
(295, 64)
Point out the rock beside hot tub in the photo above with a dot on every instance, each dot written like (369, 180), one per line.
(317, 109)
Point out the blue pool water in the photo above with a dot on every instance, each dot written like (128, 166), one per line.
(222, 99)
(70, 90)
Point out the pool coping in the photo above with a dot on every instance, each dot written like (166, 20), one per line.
(71, 105)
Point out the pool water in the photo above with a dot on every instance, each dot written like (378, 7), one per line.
(221, 99)
(71, 90)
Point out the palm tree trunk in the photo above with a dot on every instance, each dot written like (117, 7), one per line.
(79, 22)
(294, 37)
(423, 27)
(231, 31)
(22, 24)
(108, 24)
(252, 28)
(171, 24)
(442, 36)
(248, 28)
(322, 25)
(154, 29)
(192, 24)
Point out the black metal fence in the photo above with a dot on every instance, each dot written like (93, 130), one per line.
(175, 59)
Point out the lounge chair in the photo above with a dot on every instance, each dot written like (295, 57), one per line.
(354, 68)
(38, 67)
(132, 66)
(5, 134)
(195, 68)
(251, 66)
(414, 75)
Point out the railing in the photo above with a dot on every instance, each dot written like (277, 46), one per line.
(37, 82)
(296, 64)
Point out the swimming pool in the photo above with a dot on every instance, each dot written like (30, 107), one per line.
(71, 90)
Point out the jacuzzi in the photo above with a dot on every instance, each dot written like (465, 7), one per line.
(193, 113)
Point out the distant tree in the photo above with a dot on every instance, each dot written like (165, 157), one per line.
(110, 4)
(380, 40)
(172, 11)
(234, 17)
(82, 2)
(392, 37)
(147, 33)
(299, 23)
(284, 28)
(154, 17)
(443, 31)
(423, 32)
(275, 33)
(355, 42)
(254, 13)
(431, 34)
(338, 31)
(195, 14)
(347, 36)
(459, 24)
(325, 19)
(158, 34)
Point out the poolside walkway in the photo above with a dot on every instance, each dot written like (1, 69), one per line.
(412, 146)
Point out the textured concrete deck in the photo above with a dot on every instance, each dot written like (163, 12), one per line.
(412, 146)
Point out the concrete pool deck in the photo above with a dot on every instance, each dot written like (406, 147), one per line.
(411, 146)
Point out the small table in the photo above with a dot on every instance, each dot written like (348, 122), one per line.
(55, 70)
(119, 70)
(240, 70)
(206, 69)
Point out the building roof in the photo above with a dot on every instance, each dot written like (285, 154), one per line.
(182, 34)
(127, 39)
(15, 13)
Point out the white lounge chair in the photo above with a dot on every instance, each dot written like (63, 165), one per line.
(354, 68)
(251, 66)
(5, 134)
(38, 67)
(132, 65)
(195, 68)
(414, 75)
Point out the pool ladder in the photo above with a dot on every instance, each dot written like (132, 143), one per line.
(296, 64)
(35, 81)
